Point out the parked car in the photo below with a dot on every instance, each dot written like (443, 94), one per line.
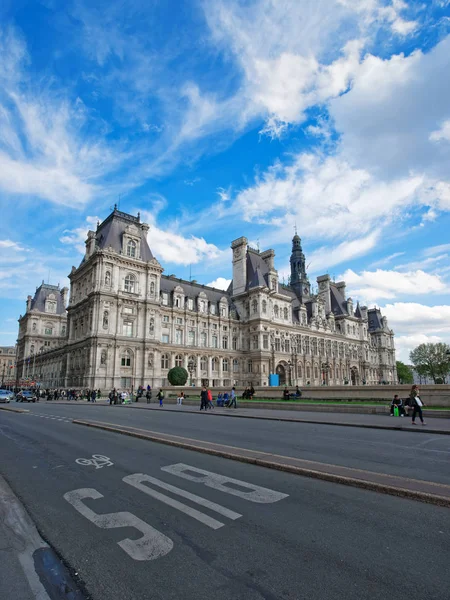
(6, 396)
(26, 396)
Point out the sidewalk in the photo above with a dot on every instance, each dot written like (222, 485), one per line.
(370, 421)
(347, 419)
(30, 569)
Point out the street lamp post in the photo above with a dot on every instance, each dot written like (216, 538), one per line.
(3, 374)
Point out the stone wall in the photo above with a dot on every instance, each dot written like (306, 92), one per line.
(434, 395)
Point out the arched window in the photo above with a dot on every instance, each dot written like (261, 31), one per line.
(178, 360)
(235, 365)
(131, 248)
(177, 301)
(254, 306)
(299, 370)
(264, 307)
(126, 359)
(164, 361)
(235, 343)
(203, 339)
(215, 364)
(225, 365)
(286, 312)
(250, 366)
(204, 363)
(152, 288)
(108, 278)
(130, 284)
(275, 311)
(225, 342)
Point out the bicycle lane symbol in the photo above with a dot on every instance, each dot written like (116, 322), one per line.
(98, 461)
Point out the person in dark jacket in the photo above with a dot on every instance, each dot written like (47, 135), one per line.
(203, 398)
(397, 402)
(148, 395)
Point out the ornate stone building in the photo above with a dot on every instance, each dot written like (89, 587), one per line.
(42, 329)
(128, 324)
(7, 363)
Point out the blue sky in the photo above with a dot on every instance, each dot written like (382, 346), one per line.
(229, 118)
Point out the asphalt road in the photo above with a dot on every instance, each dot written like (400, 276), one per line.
(418, 456)
(302, 539)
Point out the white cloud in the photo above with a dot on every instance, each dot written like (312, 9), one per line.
(432, 250)
(220, 283)
(326, 257)
(172, 247)
(371, 286)
(224, 194)
(443, 133)
(77, 237)
(327, 196)
(12, 245)
(415, 324)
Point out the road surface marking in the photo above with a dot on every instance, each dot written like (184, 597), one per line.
(255, 493)
(153, 544)
(98, 461)
(187, 510)
(137, 479)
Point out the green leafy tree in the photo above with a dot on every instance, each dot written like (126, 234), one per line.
(404, 373)
(177, 376)
(431, 360)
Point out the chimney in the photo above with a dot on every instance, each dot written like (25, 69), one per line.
(90, 243)
(239, 248)
(65, 296)
(341, 287)
(323, 283)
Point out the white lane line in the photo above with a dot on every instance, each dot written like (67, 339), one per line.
(136, 479)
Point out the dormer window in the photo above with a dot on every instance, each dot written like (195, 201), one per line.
(131, 248)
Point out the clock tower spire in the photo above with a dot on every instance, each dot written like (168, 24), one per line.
(299, 278)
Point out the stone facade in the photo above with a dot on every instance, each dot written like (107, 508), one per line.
(7, 364)
(128, 324)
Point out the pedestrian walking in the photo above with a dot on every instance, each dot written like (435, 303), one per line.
(232, 398)
(210, 404)
(416, 403)
(160, 397)
(93, 396)
(148, 395)
(203, 398)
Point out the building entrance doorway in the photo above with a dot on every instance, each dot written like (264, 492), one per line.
(354, 376)
(281, 372)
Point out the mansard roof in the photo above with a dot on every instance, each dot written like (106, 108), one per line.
(109, 233)
(41, 295)
(358, 311)
(338, 301)
(192, 290)
(257, 271)
(374, 317)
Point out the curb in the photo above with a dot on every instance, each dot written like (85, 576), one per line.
(262, 462)
(16, 410)
(307, 421)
